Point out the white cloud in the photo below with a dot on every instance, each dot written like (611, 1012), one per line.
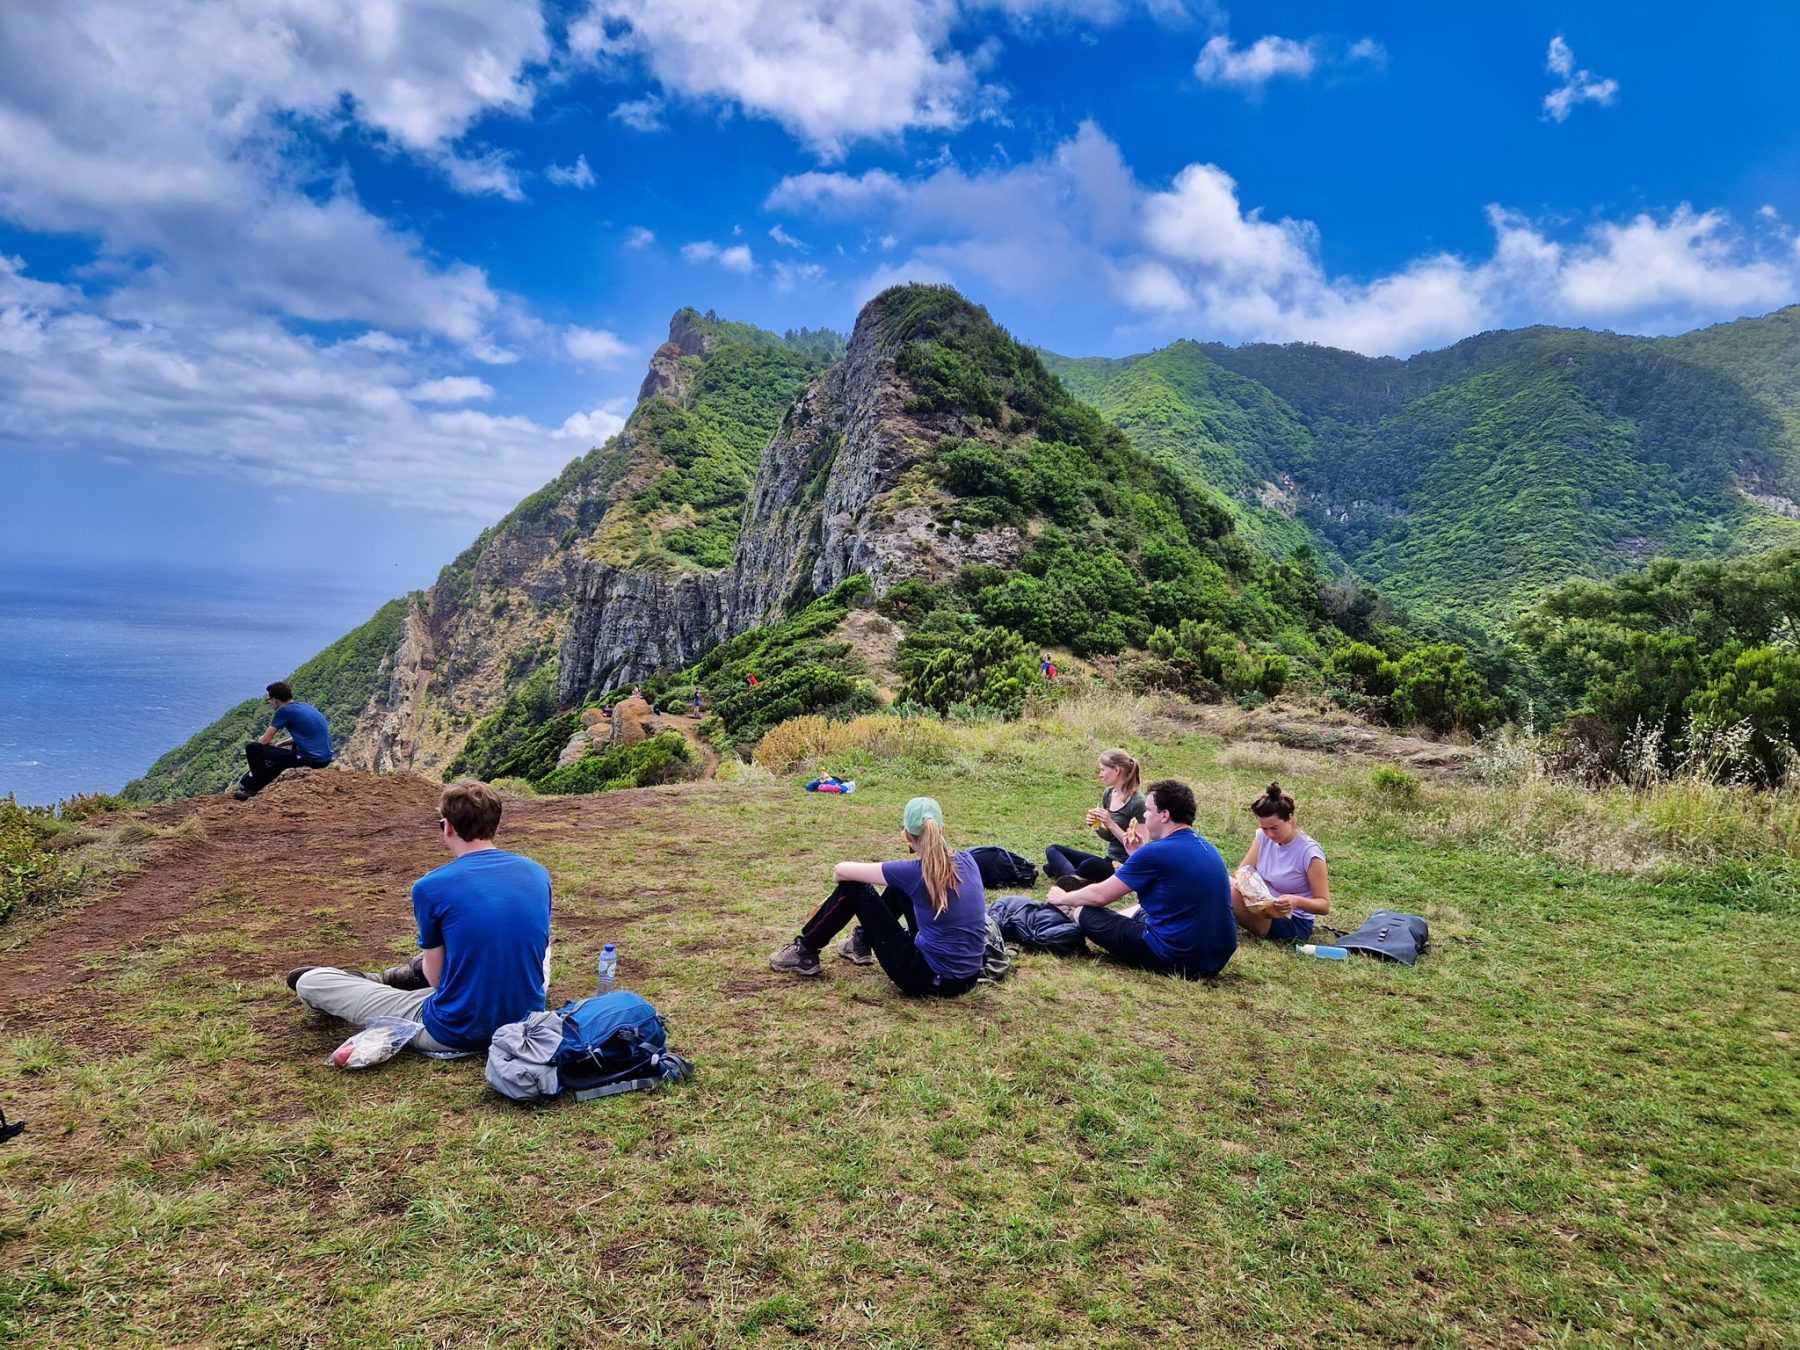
(1193, 259)
(641, 114)
(596, 427)
(1578, 86)
(576, 175)
(789, 276)
(637, 237)
(1255, 65)
(254, 401)
(487, 174)
(1268, 58)
(735, 258)
(451, 389)
(178, 137)
(781, 236)
(595, 346)
(830, 71)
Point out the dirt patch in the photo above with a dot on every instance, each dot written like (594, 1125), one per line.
(1299, 725)
(317, 868)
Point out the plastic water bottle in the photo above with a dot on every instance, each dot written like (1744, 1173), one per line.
(608, 969)
(1323, 952)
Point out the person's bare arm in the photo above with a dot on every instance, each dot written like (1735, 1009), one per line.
(1319, 902)
(432, 965)
(268, 737)
(867, 873)
(1253, 852)
(1100, 893)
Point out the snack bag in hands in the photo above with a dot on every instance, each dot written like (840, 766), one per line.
(1256, 893)
(379, 1041)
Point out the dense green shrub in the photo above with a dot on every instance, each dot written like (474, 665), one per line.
(951, 660)
(664, 758)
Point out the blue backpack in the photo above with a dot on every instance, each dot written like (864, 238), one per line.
(592, 1047)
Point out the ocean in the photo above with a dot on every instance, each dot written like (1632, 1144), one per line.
(102, 670)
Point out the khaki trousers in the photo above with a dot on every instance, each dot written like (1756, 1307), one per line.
(340, 993)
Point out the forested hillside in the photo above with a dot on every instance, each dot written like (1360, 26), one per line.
(1472, 479)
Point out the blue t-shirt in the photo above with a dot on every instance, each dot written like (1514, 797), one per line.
(1182, 884)
(953, 942)
(490, 912)
(306, 724)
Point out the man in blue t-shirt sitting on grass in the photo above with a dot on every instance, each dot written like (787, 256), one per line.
(484, 938)
(1182, 924)
(309, 746)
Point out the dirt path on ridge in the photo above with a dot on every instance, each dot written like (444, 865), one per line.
(316, 869)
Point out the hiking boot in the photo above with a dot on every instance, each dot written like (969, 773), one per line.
(406, 975)
(796, 959)
(856, 947)
(293, 976)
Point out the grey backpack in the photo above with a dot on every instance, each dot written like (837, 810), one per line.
(1390, 935)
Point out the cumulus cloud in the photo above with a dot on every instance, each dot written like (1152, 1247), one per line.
(781, 236)
(736, 258)
(451, 389)
(1578, 86)
(595, 428)
(595, 346)
(1268, 58)
(576, 175)
(176, 136)
(256, 401)
(1193, 258)
(637, 237)
(789, 276)
(641, 114)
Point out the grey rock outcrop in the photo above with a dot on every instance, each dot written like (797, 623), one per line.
(627, 625)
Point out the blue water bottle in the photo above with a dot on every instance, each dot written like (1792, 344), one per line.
(1323, 952)
(607, 968)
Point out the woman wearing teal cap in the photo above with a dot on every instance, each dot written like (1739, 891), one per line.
(938, 895)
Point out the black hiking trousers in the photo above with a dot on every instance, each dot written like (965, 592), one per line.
(267, 762)
(880, 914)
(1123, 939)
(1060, 861)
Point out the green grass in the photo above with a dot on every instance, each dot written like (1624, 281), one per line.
(1574, 1121)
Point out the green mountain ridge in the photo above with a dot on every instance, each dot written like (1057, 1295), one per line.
(1472, 479)
(1211, 515)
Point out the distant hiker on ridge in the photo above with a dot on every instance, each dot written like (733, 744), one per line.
(310, 746)
(484, 938)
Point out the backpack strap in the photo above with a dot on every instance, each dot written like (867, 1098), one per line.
(667, 1067)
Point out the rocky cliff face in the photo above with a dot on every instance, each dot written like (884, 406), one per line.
(834, 495)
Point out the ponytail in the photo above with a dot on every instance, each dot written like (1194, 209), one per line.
(935, 864)
(1273, 802)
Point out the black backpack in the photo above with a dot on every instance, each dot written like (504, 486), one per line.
(1002, 867)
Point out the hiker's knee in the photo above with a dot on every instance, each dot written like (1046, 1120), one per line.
(312, 986)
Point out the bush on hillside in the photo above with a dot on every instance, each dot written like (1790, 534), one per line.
(950, 660)
(664, 758)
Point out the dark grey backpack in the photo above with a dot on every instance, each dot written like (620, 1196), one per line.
(1391, 935)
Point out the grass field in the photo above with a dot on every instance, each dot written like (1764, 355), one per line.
(1575, 1122)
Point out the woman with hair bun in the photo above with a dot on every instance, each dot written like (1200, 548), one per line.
(928, 929)
(1286, 863)
(1121, 805)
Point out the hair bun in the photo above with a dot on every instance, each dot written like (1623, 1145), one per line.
(1275, 791)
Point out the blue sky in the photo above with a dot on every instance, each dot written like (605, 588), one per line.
(330, 284)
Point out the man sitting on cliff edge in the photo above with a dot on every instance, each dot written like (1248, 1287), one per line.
(309, 746)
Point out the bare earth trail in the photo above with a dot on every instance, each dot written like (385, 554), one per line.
(314, 869)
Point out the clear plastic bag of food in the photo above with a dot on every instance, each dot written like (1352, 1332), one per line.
(376, 1043)
(1254, 889)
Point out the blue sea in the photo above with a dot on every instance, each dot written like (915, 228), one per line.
(102, 670)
